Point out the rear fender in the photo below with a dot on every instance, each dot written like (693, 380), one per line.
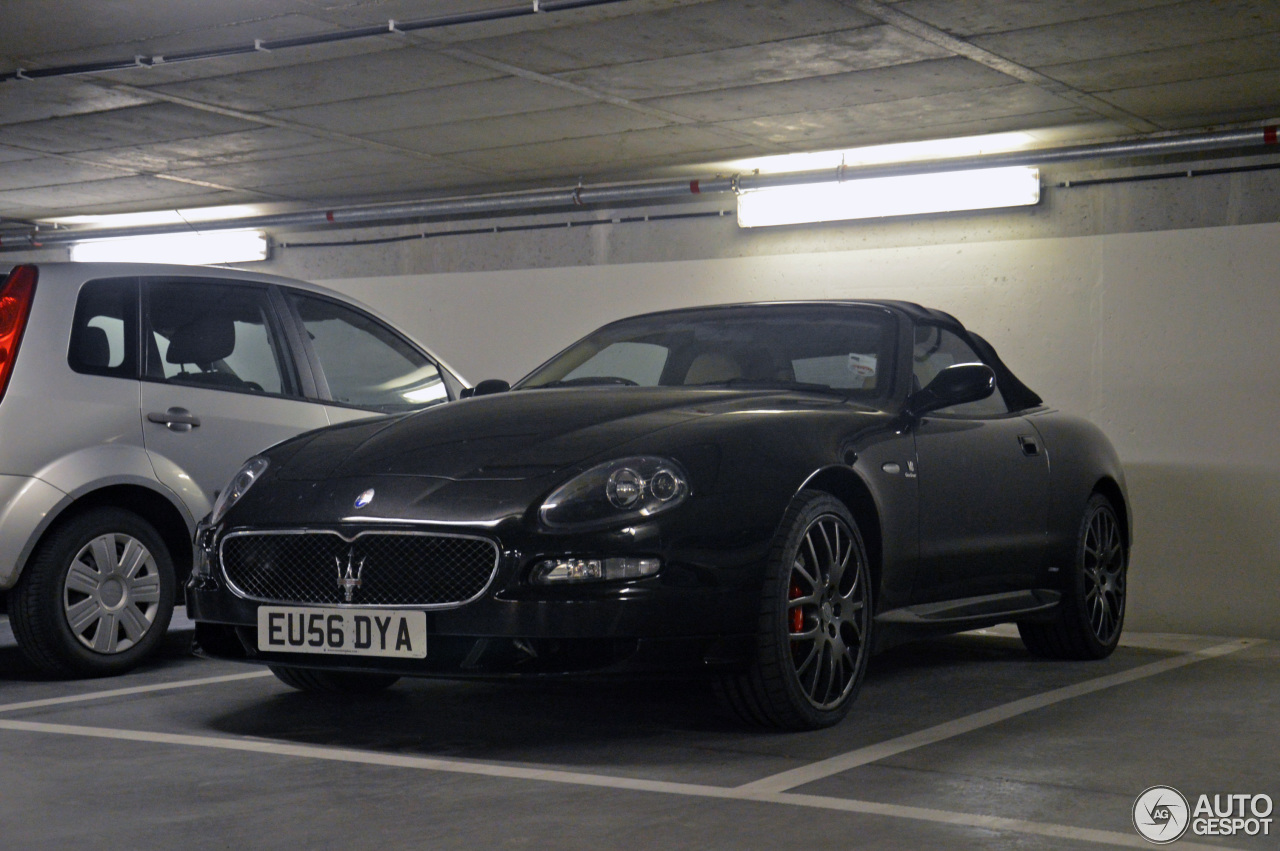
(143, 495)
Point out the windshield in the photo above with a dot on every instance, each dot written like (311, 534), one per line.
(815, 347)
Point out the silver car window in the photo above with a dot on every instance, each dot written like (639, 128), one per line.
(104, 331)
(213, 335)
(365, 364)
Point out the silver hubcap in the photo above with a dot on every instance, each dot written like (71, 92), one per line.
(112, 593)
(827, 612)
(1104, 575)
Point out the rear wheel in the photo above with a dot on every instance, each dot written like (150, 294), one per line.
(333, 682)
(814, 624)
(1091, 616)
(96, 597)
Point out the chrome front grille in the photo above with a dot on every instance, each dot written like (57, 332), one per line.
(371, 569)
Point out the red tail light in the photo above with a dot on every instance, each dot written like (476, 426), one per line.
(15, 305)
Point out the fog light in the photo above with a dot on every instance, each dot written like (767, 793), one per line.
(556, 571)
(630, 568)
(568, 570)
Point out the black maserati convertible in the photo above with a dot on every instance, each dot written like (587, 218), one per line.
(762, 494)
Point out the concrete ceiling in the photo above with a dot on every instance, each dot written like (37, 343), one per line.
(620, 91)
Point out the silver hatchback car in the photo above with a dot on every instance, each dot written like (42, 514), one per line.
(129, 394)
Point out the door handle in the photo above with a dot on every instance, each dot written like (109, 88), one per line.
(175, 419)
(1030, 446)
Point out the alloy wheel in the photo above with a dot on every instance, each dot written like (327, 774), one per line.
(1104, 575)
(827, 612)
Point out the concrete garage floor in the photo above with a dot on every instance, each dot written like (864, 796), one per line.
(956, 743)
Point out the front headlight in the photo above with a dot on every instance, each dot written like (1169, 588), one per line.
(616, 491)
(238, 487)
(201, 564)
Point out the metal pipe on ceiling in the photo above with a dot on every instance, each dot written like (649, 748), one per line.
(1149, 147)
(663, 190)
(534, 7)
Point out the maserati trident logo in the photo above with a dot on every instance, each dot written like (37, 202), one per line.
(349, 578)
(365, 498)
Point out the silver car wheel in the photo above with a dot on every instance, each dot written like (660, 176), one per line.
(112, 593)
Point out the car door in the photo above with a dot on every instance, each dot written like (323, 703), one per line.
(983, 479)
(361, 366)
(218, 383)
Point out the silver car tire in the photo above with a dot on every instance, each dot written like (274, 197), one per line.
(96, 597)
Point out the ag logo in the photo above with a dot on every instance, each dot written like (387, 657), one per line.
(1161, 815)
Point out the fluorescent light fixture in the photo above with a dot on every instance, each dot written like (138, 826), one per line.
(161, 217)
(192, 249)
(930, 149)
(873, 197)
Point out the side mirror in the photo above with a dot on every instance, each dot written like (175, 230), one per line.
(484, 388)
(955, 385)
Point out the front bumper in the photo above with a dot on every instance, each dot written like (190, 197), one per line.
(697, 614)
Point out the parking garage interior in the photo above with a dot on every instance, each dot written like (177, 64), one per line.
(504, 177)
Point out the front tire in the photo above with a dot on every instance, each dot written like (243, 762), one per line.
(333, 682)
(1091, 615)
(815, 622)
(96, 597)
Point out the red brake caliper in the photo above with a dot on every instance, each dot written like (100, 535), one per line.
(797, 614)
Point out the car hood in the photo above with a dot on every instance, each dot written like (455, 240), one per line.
(520, 434)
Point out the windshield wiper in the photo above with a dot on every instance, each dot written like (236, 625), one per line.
(774, 384)
(587, 380)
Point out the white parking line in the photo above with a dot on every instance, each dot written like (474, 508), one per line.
(768, 790)
(546, 775)
(124, 692)
(785, 780)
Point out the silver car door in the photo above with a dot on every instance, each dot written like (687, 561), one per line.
(364, 366)
(217, 383)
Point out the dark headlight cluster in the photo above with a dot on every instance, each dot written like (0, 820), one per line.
(616, 491)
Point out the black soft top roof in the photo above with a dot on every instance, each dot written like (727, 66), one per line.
(1017, 395)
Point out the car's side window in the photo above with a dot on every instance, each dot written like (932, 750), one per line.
(213, 335)
(365, 363)
(936, 349)
(104, 332)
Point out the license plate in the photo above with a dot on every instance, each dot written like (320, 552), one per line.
(343, 632)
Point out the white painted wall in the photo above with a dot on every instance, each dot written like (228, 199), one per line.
(1167, 339)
